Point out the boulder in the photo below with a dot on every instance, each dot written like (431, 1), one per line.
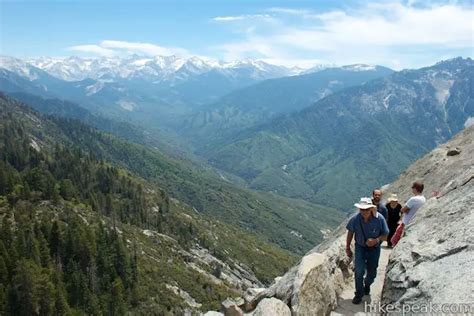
(273, 307)
(213, 313)
(231, 307)
(234, 310)
(249, 297)
(453, 152)
(312, 286)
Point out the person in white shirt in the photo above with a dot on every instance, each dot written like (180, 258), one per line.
(413, 203)
(410, 209)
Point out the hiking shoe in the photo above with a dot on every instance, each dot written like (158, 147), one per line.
(367, 290)
(356, 300)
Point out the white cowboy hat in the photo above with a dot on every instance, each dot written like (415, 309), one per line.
(364, 203)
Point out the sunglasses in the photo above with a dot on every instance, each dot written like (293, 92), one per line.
(365, 210)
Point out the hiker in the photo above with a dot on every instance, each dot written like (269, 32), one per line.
(409, 210)
(394, 215)
(369, 232)
(377, 201)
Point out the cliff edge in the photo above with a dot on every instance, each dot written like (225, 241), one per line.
(431, 264)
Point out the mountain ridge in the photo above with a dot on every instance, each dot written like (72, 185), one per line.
(316, 144)
(259, 103)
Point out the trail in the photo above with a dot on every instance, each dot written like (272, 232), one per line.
(345, 306)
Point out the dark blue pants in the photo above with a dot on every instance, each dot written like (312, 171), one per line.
(366, 259)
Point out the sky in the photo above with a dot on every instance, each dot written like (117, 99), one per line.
(395, 33)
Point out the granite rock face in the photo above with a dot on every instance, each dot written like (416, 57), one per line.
(312, 286)
(433, 262)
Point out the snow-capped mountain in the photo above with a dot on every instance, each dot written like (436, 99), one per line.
(316, 68)
(158, 69)
(167, 86)
(360, 67)
(155, 89)
(20, 67)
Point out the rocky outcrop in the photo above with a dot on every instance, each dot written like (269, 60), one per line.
(433, 261)
(272, 306)
(311, 287)
(231, 307)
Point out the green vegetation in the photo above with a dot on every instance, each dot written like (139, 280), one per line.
(73, 236)
(258, 103)
(271, 217)
(209, 191)
(353, 140)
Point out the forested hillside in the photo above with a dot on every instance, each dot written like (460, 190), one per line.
(79, 234)
(293, 224)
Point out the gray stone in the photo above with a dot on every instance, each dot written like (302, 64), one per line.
(234, 310)
(312, 286)
(273, 307)
(433, 261)
(228, 302)
(232, 306)
(453, 152)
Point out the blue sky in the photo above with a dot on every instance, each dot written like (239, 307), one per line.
(398, 34)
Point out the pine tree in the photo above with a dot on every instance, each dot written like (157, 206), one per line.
(46, 294)
(55, 242)
(60, 296)
(23, 297)
(117, 304)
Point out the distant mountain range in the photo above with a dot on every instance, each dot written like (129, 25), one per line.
(159, 69)
(353, 140)
(260, 102)
(160, 90)
(151, 90)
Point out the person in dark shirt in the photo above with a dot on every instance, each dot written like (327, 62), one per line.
(377, 201)
(393, 213)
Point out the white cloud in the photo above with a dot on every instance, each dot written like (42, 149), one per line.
(395, 34)
(143, 48)
(93, 49)
(116, 48)
(301, 13)
(290, 11)
(232, 18)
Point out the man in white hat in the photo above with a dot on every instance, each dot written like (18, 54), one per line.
(369, 231)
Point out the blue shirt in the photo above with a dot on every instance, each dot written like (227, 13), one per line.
(382, 209)
(375, 227)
